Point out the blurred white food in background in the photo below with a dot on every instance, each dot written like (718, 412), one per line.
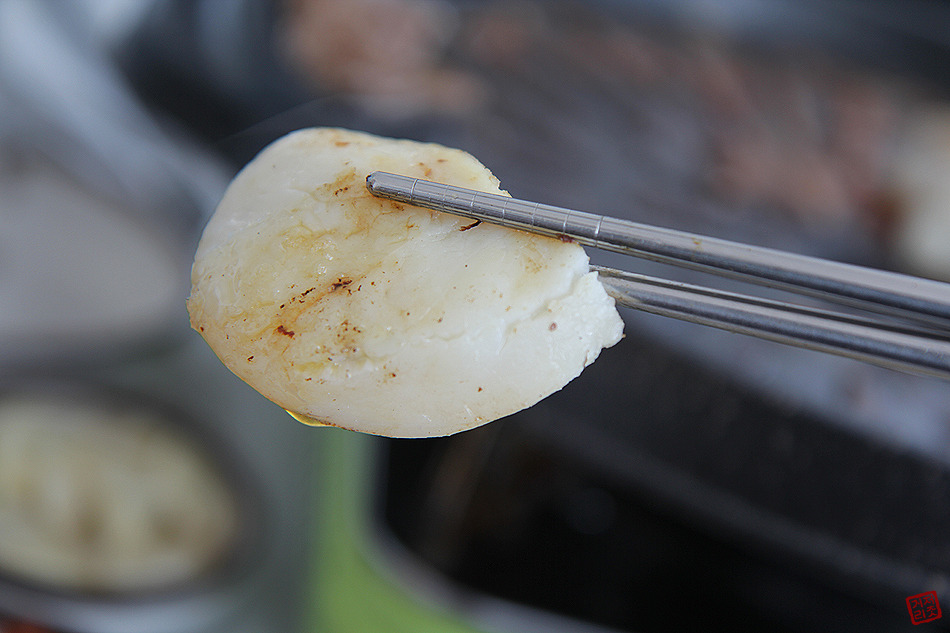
(106, 500)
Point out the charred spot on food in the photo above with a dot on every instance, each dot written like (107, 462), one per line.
(342, 183)
(471, 226)
(553, 326)
(347, 326)
(566, 238)
(250, 358)
(280, 329)
(341, 282)
(306, 292)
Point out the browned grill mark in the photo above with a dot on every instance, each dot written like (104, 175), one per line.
(341, 282)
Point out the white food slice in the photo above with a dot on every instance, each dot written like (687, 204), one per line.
(384, 318)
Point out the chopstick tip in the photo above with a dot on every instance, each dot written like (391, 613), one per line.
(372, 181)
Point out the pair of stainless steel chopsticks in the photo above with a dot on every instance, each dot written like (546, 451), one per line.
(909, 329)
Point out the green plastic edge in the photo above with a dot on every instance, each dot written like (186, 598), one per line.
(347, 594)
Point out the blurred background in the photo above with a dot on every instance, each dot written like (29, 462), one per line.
(691, 478)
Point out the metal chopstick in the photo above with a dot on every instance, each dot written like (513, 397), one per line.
(919, 349)
(875, 290)
(907, 348)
